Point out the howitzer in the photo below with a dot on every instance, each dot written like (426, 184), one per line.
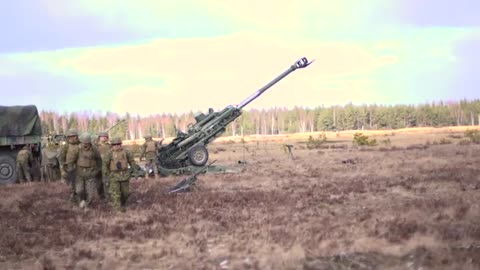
(96, 136)
(189, 148)
(116, 124)
(188, 182)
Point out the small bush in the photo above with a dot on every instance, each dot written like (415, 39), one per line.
(417, 146)
(454, 136)
(360, 139)
(464, 142)
(473, 135)
(316, 143)
(444, 141)
(387, 142)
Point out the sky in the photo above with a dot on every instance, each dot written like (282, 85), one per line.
(153, 56)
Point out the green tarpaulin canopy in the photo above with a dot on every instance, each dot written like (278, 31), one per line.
(17, 121)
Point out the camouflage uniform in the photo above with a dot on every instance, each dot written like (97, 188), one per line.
(149, 152)
(24, 161)
(50, 162)
(68, 170)
(115, 168)
(88, 162)
(103, 148)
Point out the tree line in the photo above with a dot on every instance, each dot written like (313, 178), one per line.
(275, 120)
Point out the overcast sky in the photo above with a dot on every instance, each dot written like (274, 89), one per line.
(155, 56)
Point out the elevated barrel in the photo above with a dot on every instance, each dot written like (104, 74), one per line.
(301, 63)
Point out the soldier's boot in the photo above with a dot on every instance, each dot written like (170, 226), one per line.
(150, 172)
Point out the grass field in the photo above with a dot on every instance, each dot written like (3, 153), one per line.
(410, 202)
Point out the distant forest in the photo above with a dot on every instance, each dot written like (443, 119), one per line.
(276, 120)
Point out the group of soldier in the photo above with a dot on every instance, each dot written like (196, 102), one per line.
(92, 169)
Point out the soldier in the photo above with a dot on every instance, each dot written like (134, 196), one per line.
(50, 161)
(24, 163)
(149, 152)
(68, 170)
(88, 164)
(115, 169)
(103, 147)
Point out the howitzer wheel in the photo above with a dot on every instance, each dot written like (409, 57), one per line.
(198, 155)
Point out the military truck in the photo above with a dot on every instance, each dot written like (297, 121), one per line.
(19, 126)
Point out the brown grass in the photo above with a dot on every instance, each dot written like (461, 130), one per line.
(456, 131)
(396, 207)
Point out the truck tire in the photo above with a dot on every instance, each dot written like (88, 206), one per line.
(198, 155)
(8, 170)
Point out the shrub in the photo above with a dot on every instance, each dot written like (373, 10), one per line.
(464, 142)
(473, 135)
(444, 141)
(313, 143)
(387, 142)
(360, 139)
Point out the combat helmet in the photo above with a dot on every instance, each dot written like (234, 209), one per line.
(102, 134)
(147, 136)
(85, 138)
(71, 132)
(116, 140)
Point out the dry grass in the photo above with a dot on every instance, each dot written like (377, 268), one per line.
(339, 135)
(388, 207)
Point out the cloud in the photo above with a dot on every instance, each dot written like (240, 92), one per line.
(28, 26)
(148, 18)
(305, 19)
(466, 83)
(43, 89)
(224, 57)
(435, 13)
(193, 74)
(47, 25)
(201, 71)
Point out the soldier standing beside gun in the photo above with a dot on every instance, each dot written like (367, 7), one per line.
(103, 147)
(68, 170)
(50, 163)
(24, 161)
(149, 152)
(115, 169)
(88, 164)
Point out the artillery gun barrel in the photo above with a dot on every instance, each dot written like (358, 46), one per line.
(116, 124)
(301, 63)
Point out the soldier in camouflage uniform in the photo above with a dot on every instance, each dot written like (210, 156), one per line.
(88, 164)
(149, 152)
(50, 161)
(103, 147)
(24, 162)
(68, 170)
(115, 168)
